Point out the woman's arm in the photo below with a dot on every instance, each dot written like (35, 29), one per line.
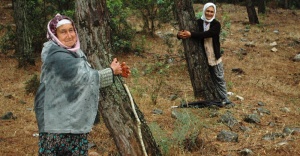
(214, 30)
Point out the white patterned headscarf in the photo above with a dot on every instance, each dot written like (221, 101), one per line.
(204, 9)
(53, 24)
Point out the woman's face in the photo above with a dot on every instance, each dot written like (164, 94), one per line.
(66, 35)
(209, 13)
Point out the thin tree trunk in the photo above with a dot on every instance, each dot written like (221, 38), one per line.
(262, 6)
(286, 4)
(24, 51)
(196, 60)
(253, 19)
(114, 104)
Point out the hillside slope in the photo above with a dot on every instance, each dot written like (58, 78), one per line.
(270, 80)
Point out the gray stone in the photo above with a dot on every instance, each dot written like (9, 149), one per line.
(246, 152)
(252, 118)
(157, 111)
(263, 110)
(297, 58)
(7, 116)
(229, 120)
(261, 103)
(227, 136)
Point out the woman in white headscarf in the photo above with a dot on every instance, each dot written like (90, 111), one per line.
(66, 102)
(209, 36)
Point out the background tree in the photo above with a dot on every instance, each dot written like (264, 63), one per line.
(194, 55)
(253, 19)
(262, 6)
(94, 30)
(24, 50)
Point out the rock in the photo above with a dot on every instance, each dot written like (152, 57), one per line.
(276, 31)
(281, 143)
(261, 103)
(263, 110)
(297, 58)
(252, 118)
(245, 129)
(157, 111)
(271, 124)
(91, 145)
(229, 120)
(246, 152)
(287, 131)
(214, 113)
(174, 114)
(9, 96)
(230, 93)
(285, 109)
(227, 136)
(273, 44)
(173, 97)
(237, 70)
(239, 97)
(272, 136)
(250, 44)
(274, 49)
(7, 116)
(291, 130)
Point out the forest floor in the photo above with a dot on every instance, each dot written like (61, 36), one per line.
(269, 80)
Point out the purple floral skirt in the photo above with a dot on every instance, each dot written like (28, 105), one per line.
(55, 144)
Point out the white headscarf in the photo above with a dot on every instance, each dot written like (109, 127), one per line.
(54, 23)
(204, 9)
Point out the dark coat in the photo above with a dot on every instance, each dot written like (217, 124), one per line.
(214, 32)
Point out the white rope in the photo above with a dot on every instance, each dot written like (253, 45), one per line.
(138, 120)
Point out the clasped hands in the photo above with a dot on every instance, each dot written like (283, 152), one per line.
(120, 69)
(183, 34)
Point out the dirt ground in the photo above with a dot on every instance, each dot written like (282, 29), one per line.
(269, 77)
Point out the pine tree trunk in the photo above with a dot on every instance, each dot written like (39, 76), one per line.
(286, 4)
(196, 60)
(95, 36)
(23, 47)
(262, 6)
(253, 19)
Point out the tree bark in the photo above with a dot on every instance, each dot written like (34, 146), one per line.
(95, 36)
(196, 60)
(262, 6)
(253, 19)
(24, 51)
(286, 4)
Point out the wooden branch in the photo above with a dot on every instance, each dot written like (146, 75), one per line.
(137, 119)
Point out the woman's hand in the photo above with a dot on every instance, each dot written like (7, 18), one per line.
(184, 34)
(116, 67)
(125, 70)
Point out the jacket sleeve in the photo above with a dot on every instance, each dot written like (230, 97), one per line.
(214, 30)
(106, 77)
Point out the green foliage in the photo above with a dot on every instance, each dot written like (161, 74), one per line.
(187, 126)
(229, 85)
(152, 11)
(165, 9)
(155, 90)
(7, 42)
(32, 85)
(140, 45)
(38, 13)
(226, 26)
(161, 137)
(199, 14)
(123, 34)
